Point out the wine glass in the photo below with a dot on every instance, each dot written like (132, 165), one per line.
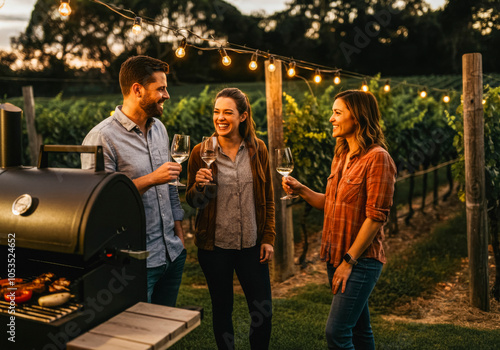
(209, 150)
(284, 165)
(180, 152)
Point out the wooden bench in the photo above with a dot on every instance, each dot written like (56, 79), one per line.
(143, 326)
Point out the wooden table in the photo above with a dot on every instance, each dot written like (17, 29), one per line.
(143, 326)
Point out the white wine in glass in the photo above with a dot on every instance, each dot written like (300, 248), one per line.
(284, 166)
(180, 152)
(209, 150)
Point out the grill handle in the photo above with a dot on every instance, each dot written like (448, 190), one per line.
(136, 254)
(43, 158)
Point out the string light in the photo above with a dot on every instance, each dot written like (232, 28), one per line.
(387, 86)
(137, 27)
(253, 62)
(181, 50)
(446, 98)
(317, 77)
(226, 60)
(2, 2)
(364, 86)
(291, 70)
(64, 8)
(484, 101)
(423, 93)
(272, 66)
(336, 79)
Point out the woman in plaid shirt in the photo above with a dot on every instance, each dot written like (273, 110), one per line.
(358, 197)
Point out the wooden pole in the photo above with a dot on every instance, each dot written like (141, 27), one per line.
(29, 111)
(477, 228)
(283, 264)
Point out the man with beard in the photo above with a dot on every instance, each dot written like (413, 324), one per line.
(135, 142)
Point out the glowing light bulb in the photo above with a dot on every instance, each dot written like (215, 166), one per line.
(226, 60)
(423, 93)
(272, 66)
(253, 62)
(387, 86)
(446, 98)
(64, 8)
(137, 27)
(364, 86)
(317, 77)
(181, 50)
(291, 70)
(336, 79)
(484, 101)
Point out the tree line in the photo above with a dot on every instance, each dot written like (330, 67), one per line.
(366, 36)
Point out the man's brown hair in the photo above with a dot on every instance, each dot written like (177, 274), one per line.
(139, 69)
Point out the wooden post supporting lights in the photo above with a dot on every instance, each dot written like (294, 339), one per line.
(283, 264)
(477, 227)
(34, 139)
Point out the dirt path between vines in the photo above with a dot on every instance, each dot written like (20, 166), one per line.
(447, 303)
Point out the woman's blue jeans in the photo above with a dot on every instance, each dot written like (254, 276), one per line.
(348, 325)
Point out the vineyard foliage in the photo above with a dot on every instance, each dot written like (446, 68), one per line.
(491, 144)
(416, 129)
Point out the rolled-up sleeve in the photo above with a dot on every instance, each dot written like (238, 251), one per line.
(380, 180)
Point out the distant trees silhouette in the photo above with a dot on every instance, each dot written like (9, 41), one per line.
(366, 36)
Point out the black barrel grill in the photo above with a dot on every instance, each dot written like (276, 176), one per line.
(87, 226)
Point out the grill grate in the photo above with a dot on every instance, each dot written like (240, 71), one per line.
(41, 313)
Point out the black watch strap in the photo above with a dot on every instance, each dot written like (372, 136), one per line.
(349, 259)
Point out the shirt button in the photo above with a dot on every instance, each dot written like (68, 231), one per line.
(348, 181)
(159, 195)
(163, 215)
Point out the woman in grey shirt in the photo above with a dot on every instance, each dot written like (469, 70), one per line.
(235, 223)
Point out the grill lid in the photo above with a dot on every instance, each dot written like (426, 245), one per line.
(68, 210)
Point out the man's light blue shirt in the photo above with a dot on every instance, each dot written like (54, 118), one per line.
(127, 150)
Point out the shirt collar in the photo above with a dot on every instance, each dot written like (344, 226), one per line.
(242, 145)
(128, 124)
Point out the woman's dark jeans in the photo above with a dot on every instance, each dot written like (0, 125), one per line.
(219, 266)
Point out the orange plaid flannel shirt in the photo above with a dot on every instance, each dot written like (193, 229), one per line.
(364, 191)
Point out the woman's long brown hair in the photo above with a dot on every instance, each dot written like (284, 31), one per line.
(364, 109)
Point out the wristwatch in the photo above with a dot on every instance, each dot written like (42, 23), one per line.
(349, 259)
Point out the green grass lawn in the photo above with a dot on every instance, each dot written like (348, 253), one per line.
(299, 321)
